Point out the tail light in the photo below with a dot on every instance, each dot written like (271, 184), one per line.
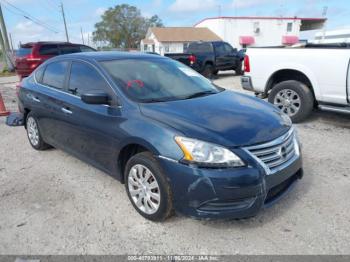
(192, 59)
(246, 64)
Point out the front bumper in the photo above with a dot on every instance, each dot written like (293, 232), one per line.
(246, 83)
(227, 193)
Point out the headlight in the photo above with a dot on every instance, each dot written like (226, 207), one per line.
(207, 154)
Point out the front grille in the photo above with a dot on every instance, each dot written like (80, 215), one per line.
(277, 154)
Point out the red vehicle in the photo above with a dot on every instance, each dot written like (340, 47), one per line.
(29, 56)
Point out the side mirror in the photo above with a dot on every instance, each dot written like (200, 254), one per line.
(97, 98)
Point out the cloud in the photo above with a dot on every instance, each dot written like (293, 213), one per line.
(251, 3)
(182, 6)
(100, 11)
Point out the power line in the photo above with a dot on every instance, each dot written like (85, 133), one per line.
(30, 17)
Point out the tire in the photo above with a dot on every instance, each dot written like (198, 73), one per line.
(238, 69)
(215, 72)
(293, 95)
(142, 192)
(34, 134)
(208, 71)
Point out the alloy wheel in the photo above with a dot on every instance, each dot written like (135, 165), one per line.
(33, 131)
(288, 101)
(144, 189)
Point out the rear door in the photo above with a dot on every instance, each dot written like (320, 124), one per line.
(51, 96)
(93, 129)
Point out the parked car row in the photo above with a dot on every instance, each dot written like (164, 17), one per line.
(177, 141)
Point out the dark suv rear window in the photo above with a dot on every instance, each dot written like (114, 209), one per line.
(200, 47)
(48, 50)
(24, 51)
(69, 49)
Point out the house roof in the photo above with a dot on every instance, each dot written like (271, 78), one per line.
(307, 23)
(148, 41)
(184, 34)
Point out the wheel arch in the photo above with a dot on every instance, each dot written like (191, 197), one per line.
(289, 74)
(130, 148)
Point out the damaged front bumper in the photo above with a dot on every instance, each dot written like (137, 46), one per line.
(227, 193)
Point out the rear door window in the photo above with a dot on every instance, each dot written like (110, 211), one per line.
(228, 48)
(54, 74)
(69, 49)
(84, 78)
(220, 49)
(49, 50)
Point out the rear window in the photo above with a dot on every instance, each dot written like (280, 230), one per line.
(54, 74)
(24, 51)
(48, 50)
(200, 47)
(85, 48)
(69, 49)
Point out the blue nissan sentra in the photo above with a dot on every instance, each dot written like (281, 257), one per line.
(177, 141)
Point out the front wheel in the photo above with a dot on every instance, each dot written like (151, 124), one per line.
(148, 188)
(293, 98)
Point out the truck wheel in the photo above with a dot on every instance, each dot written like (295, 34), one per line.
(293, 98)
(208, 71)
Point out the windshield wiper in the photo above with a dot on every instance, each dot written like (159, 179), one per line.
(199, 94)
(155, 100)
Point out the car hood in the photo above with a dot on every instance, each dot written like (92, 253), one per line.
(227, 118)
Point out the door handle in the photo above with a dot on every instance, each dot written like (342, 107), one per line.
(36, 99)
(66, 111)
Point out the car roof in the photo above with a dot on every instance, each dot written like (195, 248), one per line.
(108, 55)
(48, 43)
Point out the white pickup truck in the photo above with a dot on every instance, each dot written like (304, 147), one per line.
(298, 79)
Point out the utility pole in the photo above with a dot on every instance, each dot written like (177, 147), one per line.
(64, 21)
(5, 42)
(11, 43)
(82, 36)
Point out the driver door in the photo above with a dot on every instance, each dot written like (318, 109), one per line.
(94, 129)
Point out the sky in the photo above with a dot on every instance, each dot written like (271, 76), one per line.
(83, 14)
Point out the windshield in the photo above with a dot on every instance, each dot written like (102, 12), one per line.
(155, 80)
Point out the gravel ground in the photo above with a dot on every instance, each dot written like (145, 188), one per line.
(52, 203)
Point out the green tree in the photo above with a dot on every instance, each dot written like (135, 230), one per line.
(123, 26)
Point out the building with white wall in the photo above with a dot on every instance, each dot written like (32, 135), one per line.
(164, 40)
(332, 36)
(260, 31)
